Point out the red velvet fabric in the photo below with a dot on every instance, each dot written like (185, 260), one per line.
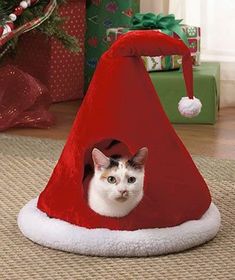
(121, 103)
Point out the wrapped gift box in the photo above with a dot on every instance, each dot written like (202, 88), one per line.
(101, 15)
(170, 88)
(46, 59)
(160, 63)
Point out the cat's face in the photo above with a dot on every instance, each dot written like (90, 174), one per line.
(119, 182)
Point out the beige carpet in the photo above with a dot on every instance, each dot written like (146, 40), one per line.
(26, 164)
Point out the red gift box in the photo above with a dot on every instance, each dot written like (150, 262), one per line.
(46, 59)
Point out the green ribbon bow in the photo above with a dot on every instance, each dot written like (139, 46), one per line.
(167, 24)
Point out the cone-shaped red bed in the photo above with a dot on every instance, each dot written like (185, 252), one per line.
(121, 104)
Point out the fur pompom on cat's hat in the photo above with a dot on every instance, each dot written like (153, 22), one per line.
(125, 185)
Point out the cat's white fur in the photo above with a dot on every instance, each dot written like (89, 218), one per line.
(119, 199)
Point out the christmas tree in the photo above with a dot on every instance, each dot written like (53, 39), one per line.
(15, 14)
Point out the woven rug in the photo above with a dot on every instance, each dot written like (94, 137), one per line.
(26, 164)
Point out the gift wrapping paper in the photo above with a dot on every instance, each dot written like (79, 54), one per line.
(101, 15)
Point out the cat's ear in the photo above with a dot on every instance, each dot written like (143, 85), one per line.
(100, 160)
(139, 159)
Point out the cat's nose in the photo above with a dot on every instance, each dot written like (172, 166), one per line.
(124, 193)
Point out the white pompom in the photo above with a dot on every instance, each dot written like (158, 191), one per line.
(189, 107)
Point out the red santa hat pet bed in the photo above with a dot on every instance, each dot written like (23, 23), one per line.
(125, 185)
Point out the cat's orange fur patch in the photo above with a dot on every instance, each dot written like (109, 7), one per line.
(106, 173)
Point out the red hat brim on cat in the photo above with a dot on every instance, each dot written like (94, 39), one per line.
(121, 104)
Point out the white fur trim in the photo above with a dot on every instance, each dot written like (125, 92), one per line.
(189, 107)
(58, 234)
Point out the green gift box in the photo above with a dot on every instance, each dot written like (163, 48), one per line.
(170, 88)
(101, 15)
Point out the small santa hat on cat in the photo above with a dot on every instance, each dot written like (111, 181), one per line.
(122, 107)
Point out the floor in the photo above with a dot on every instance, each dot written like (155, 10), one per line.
(209, 140)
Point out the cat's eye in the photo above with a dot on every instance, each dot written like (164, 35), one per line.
(131, 180)
(111, 180)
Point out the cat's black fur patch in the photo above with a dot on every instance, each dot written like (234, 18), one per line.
(89, 170)
(113, 163)
(134, 164)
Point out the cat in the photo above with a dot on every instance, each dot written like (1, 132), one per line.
(116, 187)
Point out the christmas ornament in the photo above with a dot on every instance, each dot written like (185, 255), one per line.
(40, 15)
(176, 211)
(9, 30)
(9, 26)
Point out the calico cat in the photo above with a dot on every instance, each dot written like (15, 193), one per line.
(116, 187)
